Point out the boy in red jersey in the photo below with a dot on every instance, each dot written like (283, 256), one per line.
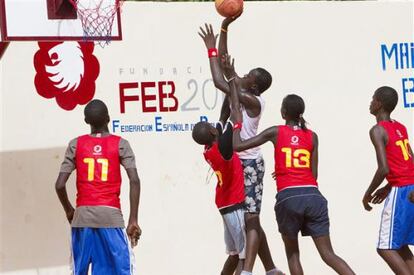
(299, 204)
(253, 84)
(396, 164)
(218, 152)
(98, 230)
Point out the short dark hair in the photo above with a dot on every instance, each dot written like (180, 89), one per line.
(295, 107)
(96, 113)
(263, 79)
(201, 133)
(388, 97)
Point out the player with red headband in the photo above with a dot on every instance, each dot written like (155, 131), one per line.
(98, 231)
(299, 204)
(396, 164)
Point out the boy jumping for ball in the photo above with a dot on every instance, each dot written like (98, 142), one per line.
(252, 86)
(218, 152)
(396, 164)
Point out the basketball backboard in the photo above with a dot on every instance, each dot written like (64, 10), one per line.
(48, 20)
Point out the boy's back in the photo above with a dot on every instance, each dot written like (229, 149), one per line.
(399, 159)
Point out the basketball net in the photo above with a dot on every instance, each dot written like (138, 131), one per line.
(97, 17)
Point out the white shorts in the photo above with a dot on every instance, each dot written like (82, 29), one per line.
(235, 233)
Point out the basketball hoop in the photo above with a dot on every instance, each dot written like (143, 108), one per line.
(97, 17)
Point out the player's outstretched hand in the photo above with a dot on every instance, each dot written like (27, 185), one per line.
(381, 194)
(208, 36)
(228, 66)
(134, 232)
(228, 20)
(366, 200)
(274, 175)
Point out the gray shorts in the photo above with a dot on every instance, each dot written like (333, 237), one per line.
(235, 233)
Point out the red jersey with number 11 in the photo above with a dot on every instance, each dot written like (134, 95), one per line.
(293, 151)
(98, 171)
(400, 161)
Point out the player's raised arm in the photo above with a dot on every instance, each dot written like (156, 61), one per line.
(236, 116)
(248, 99)
(223, 34)
(378, 138)
(210, 39)
(228, 68)
(225, 110)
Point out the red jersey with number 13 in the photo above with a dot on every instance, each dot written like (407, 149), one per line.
(98, 171)
(293, 151)
(400, 161)
(230, 178)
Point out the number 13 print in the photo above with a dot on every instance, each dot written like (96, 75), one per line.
(301, 157)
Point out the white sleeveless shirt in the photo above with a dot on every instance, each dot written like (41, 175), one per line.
(249, 130)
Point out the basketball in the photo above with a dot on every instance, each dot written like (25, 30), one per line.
(229, 8)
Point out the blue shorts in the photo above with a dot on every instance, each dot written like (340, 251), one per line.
(397, 220)
(107, 249)
(302, 209)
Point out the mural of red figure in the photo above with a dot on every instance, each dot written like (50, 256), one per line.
(66, 71)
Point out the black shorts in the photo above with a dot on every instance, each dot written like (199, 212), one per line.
(302, 209)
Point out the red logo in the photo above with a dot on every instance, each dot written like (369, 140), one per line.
(66, 71)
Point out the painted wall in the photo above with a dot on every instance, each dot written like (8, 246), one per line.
(330, 53)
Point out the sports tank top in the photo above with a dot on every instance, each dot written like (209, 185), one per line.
(400, 161)
(230, 179)
(98, 172)
(249, 130)
(293, 155)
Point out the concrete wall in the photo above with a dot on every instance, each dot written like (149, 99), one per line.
(327, 52)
